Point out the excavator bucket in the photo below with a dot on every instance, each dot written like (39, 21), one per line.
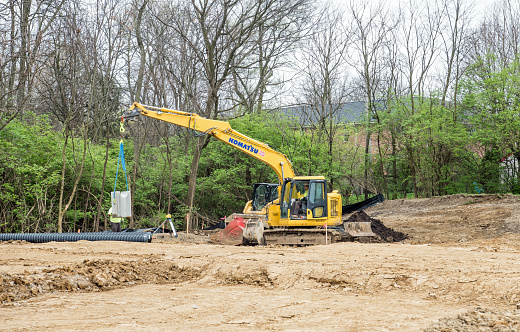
(233, 234)
(254, 231)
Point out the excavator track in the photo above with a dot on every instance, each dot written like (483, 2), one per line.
(304, 236)
(251, 229)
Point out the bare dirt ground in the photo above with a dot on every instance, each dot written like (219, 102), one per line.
(457, 270)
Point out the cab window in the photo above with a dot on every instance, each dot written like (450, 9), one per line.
(317, 192)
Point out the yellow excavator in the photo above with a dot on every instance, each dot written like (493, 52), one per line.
(299, 210)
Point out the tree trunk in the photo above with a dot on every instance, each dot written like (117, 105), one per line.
(193, 180)
(12, 74)
(367, 142)
(24, 33)
(63, 209)
(394, 167)
(139, 83)
(381, 166)
(62, 185)
(102, 194)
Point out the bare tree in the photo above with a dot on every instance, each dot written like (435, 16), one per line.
(103, 44)
(498, 32)
(420, 28)
(29, 25)
(372, 27)
(65, 87)
(278, 37)
(324, 85)
(454, 36)
(138, 142)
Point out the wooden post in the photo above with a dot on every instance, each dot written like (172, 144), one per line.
(188, 219)
(326, 234)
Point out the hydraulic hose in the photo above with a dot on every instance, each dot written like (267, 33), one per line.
(73, 237)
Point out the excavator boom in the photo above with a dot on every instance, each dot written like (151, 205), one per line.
(220, 130)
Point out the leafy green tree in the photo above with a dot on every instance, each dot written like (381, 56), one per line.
(438, 141)
(30, 174)
(491, 101)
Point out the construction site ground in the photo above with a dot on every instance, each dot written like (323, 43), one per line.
(457, 270)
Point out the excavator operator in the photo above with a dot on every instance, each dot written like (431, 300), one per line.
(299, 206)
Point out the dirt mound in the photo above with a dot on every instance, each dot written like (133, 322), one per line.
(92, 275)
(387, 234)
(480, 319)
(384, 233)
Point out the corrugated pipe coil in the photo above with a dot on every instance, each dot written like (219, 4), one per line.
(73, 237)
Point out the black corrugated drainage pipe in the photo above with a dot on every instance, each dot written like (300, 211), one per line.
(73, 237)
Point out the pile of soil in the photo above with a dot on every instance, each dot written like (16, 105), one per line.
(384, 233)
(92, 275)
(480, 319)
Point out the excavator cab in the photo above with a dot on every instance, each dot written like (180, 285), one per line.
(304, 198)
(264, 193)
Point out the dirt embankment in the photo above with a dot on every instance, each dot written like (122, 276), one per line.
(452, 220)
(442, 264)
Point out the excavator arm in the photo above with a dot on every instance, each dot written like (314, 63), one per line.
(220, 130)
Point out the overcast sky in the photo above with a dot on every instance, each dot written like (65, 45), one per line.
(478, 6)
